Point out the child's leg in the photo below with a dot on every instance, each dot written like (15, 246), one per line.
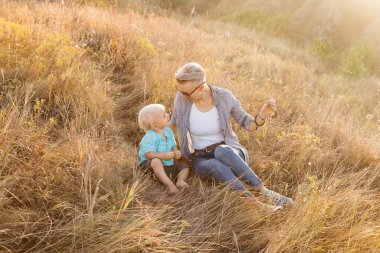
(160, 174)
(183, 175)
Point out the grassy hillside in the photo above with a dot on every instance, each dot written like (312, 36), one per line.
(342, 35)
(73, 78)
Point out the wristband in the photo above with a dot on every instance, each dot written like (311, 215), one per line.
(257, 124)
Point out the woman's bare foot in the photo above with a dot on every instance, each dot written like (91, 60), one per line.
(182, 184)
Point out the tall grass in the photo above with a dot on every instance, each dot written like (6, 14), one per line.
(341, 35)
(72, 81)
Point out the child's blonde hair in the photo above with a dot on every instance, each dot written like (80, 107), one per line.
(146, 115)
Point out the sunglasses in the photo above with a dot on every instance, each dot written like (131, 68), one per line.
(189, 94)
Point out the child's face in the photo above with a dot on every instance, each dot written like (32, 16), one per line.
(162, 120)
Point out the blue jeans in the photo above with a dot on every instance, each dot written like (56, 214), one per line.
(226, 165)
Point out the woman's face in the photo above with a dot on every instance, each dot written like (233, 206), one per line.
(191, 89)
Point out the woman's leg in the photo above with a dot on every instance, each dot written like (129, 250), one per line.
(230, 157)
(213, 168)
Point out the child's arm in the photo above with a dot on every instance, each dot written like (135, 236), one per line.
(160, 155)
(148, 146)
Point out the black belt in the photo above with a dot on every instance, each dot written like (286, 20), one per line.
(210, 148)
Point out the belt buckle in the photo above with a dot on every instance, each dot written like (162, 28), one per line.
(207, 151)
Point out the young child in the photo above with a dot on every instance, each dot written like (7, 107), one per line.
(158, 148)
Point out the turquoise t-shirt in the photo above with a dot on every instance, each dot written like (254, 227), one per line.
(154, 142)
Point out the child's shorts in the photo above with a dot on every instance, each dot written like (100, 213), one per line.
(171, 171)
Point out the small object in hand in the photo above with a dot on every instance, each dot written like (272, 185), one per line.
(271, 101)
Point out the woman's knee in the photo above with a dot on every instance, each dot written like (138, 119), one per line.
(221, 171)
(223, 151)
(209, 167)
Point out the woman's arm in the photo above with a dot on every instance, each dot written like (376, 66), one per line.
(246, 120)
(266, 111)
(243, 118)
(173, 120)
(256, 123)
(173, 127)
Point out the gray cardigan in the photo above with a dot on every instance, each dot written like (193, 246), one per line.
(227, 106)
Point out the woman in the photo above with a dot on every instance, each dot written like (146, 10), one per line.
(202, 117)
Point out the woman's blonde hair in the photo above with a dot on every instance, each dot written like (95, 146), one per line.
(147, 115)
(191, 71)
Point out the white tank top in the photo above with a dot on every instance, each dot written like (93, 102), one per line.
(205, 128)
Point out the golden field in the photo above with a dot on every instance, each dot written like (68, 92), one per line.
(73, 78)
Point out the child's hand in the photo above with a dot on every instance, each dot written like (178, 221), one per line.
(177, 154)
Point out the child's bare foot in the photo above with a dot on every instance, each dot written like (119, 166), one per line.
(182, 184)
(173, 189)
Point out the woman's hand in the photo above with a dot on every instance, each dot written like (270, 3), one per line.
(268, 108)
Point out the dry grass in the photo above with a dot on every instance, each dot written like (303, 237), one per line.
(73, 79)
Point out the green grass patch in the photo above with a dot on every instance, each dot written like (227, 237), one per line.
(360, 61)
(254, 18)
